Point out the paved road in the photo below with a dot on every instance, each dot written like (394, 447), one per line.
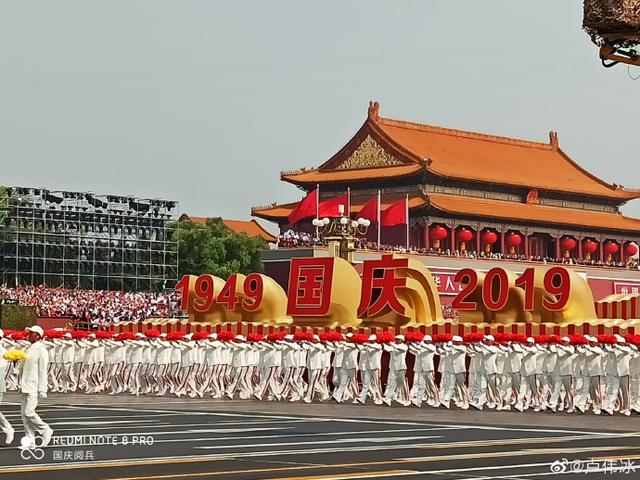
(169, 438)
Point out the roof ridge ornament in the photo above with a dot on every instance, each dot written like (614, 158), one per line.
(374, 111)
(553, 139)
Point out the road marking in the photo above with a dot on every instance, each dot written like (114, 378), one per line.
(514, 453)
(345, 476)
(321, 442)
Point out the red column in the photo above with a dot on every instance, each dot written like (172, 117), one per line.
(526, 242)
(452, 242)
(601, 249)
(425, 236)
(502, 243)
(579, 247)
(557, 247)
(478, 246)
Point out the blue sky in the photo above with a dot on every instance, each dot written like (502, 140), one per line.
(206, 102)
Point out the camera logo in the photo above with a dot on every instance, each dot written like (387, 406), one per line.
(31, 450)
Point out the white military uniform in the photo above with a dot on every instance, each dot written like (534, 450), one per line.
(33, 383)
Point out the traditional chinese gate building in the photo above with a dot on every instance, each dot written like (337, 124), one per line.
(475, 192)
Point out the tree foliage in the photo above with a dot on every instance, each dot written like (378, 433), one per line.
(214, 249)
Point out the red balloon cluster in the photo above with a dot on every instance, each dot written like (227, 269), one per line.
(630, 249)
(438, 233)
(568, 243)
(589, 246)
(514, 239)
(465, 235)
(611, 247)
(489, 237)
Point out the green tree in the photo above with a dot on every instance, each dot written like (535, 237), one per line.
(214, 249)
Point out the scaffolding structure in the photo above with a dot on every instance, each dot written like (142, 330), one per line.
(87, 241)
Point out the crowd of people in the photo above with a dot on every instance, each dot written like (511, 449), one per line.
(501, 372)
(96, 307)
(293, 239)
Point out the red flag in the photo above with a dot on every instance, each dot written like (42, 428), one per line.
(331, 208)
(370, 210)
(395, 214)
(306, 208)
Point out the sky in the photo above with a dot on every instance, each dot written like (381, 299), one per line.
(205, 102)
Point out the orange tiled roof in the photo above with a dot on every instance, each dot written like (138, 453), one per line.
(464, 155)
(249, 227)
(276, 212)
(521, 212)
(314, 175)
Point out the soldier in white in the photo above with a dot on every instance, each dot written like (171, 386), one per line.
(423, 379)
(540, 360)
(590, 389)
(33, 385)
(528, 392)
(348, 388)
(6, 427)
(288, 367)
(240, 366)
(336, 364)
(563, 375)
(147, 367)
(325, 367)
(187, 365)
(67, 351)
(314, 349)
(634, 379)
(173, 376)
(53, 347)
(270, 362)
(134, 357)
(476, 379)
(546, 386)
(511, 385)
(299, 386)
(491, 396)
(617, 377)
(397, 386)
(251, 379)
(79, 353)
(92, 362)
(370, 365)
(162, 363)
(115, 351)
(454, 370)
(215, 357)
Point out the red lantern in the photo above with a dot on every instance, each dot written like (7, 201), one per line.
(438, 233)
(630, 249)
(568, 243)
(611, 247)
(514, 239)
(489, 237)
(465, 235)
(589, 246)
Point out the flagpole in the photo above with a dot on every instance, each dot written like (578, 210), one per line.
(407, 206)
(317, 210)
(379, 219)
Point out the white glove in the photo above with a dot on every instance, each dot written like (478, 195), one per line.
(42, 395)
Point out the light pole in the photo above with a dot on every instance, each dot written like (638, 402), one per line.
(341, 233)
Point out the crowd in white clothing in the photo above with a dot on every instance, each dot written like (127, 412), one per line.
(500, 372)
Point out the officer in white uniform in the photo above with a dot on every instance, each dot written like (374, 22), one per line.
(563, 374)
(454, 370)
(397, 386)
(33, 385)
(423, 378)
(592, 372)
(370, 363)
